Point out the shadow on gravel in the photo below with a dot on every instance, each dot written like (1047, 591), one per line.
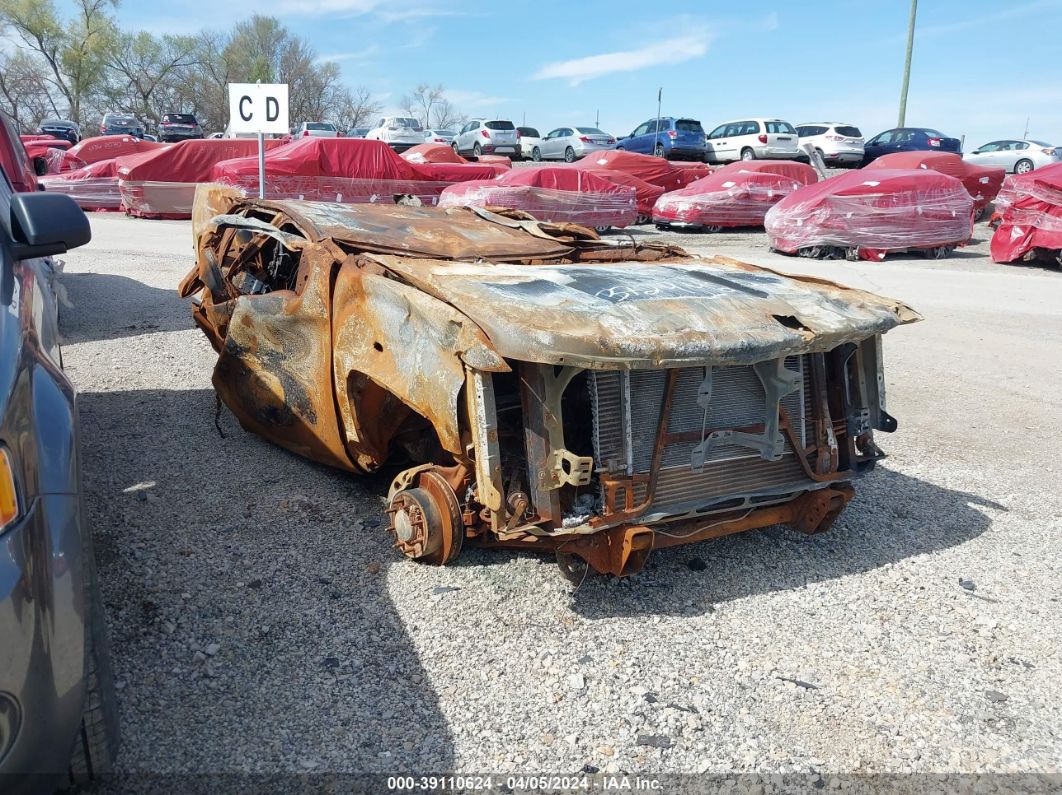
(891, 518)
(250, 620)
(103, 306)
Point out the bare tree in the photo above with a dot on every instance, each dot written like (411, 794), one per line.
(24, 89)
(359, 109)
(73, 50)
(423, 99)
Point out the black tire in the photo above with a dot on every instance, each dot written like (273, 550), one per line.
(476, 151)
(456, 150)
(748, 154)
(536, 155)
(97, 739)
(1024, 166)
(659, 151)
(569, 155)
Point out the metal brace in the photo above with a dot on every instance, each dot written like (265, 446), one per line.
(778, 381)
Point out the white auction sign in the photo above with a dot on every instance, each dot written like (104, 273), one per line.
(258, 108)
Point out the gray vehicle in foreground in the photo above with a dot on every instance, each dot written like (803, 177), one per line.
(571, 143)
(58, 719)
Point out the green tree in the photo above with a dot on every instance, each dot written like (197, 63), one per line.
(73, 50)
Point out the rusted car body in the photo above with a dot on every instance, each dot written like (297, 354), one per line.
(534, 386)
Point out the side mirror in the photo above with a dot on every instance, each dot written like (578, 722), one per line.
(975, 152)
(43, 224)
(40, 166)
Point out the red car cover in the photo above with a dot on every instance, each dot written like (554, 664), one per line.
(645, 193)
(350, 170)
(1031, 222)
(739, 194)
(61, 160)
(41, 148)
(160, 183)
(654, 170)
(873, 212)
(981, 182)
(432, 153)
(557, 194)
(106, 147)
(93, 187)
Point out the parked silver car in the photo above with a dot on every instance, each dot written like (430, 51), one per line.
(438, 136)
(316, 129)
(571, 143)
(753, 139)
(488, 137)
(1016, 156)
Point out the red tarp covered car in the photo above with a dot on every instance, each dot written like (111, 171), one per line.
(1031, 223)
(106, 147)
(161, 183)
(867, 214)
(432, 153)
(93, 187)
(654, 170)
(738, 194)
(347, 170)
(981, 182)
(551, 193)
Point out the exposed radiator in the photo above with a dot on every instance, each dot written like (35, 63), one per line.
(626, 411)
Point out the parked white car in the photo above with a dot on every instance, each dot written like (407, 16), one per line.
(839, 144)
(1016, 156)
(398, 132)
(529, 139)
(438, 136)
(488, 137)
(753, 139)
(572, 143)
(316, 129)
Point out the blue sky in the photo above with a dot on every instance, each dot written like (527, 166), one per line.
(980, 68)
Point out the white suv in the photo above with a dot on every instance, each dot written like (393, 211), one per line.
(488, 137)
(753, 139)
(839, 144)
(398, 132)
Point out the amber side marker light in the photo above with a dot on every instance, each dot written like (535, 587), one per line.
(8, 491)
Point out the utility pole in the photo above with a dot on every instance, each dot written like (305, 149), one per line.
(656, 136)
(1024, 137)
(907, 64)
(597, 118)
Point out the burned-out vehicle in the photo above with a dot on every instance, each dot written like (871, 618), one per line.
(534, 386)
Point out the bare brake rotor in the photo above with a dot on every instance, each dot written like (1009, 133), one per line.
(426, 521)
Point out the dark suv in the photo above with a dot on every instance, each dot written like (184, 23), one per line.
(673, 138)
(179, 127)
(61, 128)
(58, 719)
(121, 124)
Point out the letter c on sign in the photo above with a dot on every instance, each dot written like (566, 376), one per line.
(248, 115)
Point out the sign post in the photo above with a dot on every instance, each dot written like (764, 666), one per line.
(261, 109)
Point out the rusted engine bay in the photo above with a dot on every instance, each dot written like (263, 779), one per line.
(534, 386)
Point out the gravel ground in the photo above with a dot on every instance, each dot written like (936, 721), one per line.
(261, 621)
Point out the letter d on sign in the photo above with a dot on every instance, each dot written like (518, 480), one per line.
(272, 109)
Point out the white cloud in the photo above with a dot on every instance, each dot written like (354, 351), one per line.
(319, 7)
(364, 54)
(469, 100)
(665, 52)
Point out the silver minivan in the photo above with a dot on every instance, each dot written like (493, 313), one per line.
(488, 137)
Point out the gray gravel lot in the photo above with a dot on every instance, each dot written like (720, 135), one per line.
(261, 621)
